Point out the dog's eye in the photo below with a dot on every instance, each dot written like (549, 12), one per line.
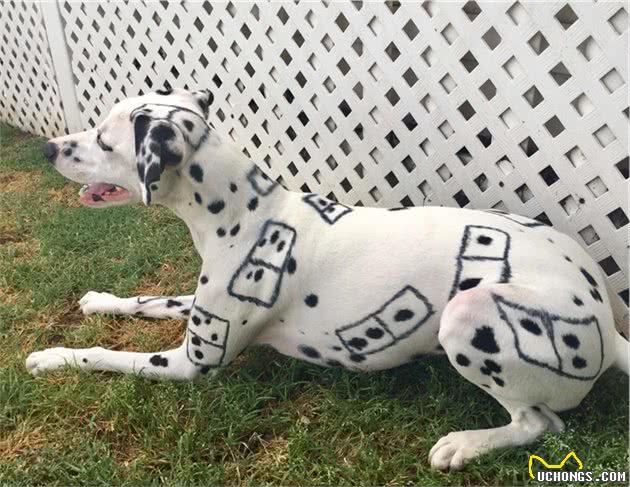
(102, 144)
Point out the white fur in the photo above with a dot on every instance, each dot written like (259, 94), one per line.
(355, 261)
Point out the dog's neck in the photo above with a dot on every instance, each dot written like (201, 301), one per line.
(220, 194)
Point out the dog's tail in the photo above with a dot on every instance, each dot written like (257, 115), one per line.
(620, 315)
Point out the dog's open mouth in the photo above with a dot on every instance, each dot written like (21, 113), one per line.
(102, 194)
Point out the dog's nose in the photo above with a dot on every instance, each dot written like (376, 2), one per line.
(50, 151)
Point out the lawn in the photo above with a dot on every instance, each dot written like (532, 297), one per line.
(265, 420)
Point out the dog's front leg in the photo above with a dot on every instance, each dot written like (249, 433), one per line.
(171, 364)
(211, 341)
(175, 307)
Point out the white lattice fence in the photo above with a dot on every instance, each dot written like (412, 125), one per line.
(516, 105)
(29, 93)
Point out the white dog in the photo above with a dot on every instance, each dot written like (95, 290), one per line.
(520, 310)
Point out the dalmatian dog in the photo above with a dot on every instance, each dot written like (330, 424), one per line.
(519, 309)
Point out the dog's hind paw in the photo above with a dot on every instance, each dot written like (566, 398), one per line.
(50, 359)
(95, 302)
(454, 450)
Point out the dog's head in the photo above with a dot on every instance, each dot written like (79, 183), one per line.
(130, 156)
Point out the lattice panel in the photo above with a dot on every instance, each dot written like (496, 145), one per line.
(30, 96)
(512, 105)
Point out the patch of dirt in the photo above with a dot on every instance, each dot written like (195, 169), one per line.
(11, 296)
(23, 249)
(19, 182)
(162, 283)
(122, 334)
(67, 196)
(22, 442)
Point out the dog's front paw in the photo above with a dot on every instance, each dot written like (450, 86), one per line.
(49, 359)
(454, 450)
(95, 302)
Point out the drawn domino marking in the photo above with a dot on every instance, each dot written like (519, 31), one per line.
(398, 318)
(555, 342)
(328, 210)
(521, 220)
(206, 338)
(262, 184)
(259, 277)
(483, 256)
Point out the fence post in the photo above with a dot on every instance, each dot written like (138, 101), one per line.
(61, 63)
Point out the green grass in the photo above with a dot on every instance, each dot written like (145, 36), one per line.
(267, 420)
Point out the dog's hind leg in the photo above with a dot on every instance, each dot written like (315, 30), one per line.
(175, 307)
(534, 351)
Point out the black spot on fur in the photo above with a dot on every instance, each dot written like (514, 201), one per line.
(484, 240)
(291, 265)
(172, 302)
(591, 280)
(469, 283)
(578, 301)
(567, 258)
(485, 371)
(198, 354)
(596, 295)
(221, 232)
(76, 159)
(214, 337)
(374, 333)
(205, 369)
(154, 187)
(309, 351)
(216, 206)
(196, 320)
(484, 340)
(571, 341)
(196, 172)
(334, 363)
(258, 275)
(358, 343)
(195, 340)
(498, 381)
(235, 230)
(85, 361)
(253, 204)
(189, 125)
(531, 326)
(336, 348)
(159, 361)
(462, 360)
(311, 300)
(579, 362)
(185, 312)
(67, 152)
(492, 365)
(198, 198)
(357, 358)
(403, 315)
(233, 187)
(204, 280)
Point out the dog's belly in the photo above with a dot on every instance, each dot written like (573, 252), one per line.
(363, 346)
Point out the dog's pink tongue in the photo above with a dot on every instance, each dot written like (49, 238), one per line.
(101, 188)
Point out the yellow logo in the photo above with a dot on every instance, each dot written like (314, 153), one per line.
(547, 465)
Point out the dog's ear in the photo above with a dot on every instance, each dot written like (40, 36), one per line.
(159, 143)
(204, 99)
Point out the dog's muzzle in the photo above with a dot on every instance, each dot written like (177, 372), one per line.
(50, 151)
